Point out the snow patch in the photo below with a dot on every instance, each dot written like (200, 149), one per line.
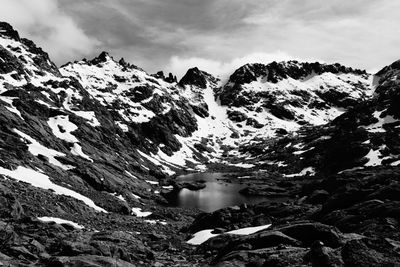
(306, 171)
(90, 116)
(136, 196)
(62, 128)
(152, 182)
(139, 213)
(77, 151)
(378, 126)
(202, 236)
(123, 126)
(156, 221)
(60, 221)
(35, 148)
(374, 157)
(41, 180)
(11, 108)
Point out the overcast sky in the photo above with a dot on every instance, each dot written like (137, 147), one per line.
(215, 35)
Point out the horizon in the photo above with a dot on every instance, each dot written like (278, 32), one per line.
(176, 35)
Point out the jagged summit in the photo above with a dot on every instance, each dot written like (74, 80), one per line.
(196, 77)
(389, 72)
(387, 83)
(392, 67)
(169, 79)
(101, 58)
(23, 55)
(276, 71)
(7, 30)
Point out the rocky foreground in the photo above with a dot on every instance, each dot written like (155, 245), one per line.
(351, 219)
(341, 220)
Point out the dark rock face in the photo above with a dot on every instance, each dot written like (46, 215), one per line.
(10, 63)
(169, 79)
(200, 110)
(8, 30)
(237, 116)
(195, 77)
(189, 185)
(277, 71)
(101, 58)
(41, 58)
(294, 91)
(318, 197)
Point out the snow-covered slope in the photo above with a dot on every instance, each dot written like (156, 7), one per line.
(299, 93)
(56, 134)
(262, 101)
(364, 137)
(125, 86)
(156, 113)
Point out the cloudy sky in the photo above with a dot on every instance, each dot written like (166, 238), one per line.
(216, 35)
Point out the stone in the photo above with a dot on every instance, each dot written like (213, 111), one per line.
(318, 197)
(309, 232)
(88, 261)
(320, 255)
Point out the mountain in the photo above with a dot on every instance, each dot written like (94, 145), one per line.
(95, 146)
(316, 96)
(364, 136)
(303, 93)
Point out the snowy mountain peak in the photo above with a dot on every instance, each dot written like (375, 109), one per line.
(392, 67)
(196, 77)
(101, 58)
(389, 72)
(7, 30)
(169, 79)
(274, 71)
(387, 82)
(22, 59)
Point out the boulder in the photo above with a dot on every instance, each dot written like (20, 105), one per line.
(309, 232)
(320, 255)
(237, 116)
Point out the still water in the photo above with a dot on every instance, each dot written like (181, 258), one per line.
(216, 195)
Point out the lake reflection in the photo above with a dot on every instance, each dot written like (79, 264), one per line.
(216, 195)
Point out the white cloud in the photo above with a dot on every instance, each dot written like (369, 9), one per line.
(44, 23)
(179, 65)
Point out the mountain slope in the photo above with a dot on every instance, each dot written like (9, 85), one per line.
(303, 93)
(363, 137)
